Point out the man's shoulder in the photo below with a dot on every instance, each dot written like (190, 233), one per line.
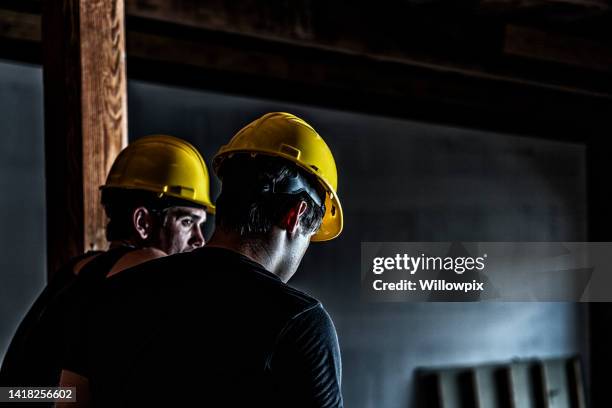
(210, 271)
(300, 298)
(247, 279)
(292, 300)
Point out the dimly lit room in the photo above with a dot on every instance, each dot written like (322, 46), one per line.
(480, 124)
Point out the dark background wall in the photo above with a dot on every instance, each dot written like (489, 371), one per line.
(399, 181)
(22, 194)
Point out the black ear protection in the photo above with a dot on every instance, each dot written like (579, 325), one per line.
(297, 185)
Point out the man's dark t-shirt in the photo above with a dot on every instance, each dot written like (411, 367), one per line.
(34, 355)
(203, 327)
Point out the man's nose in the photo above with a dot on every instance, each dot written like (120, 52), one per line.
(197, 238)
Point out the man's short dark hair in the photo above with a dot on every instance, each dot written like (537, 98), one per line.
(249, 207)
(120, 204)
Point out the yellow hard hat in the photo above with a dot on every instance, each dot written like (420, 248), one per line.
(281, 134)
(165, 165)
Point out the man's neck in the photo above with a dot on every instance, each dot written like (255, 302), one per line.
(264, 253)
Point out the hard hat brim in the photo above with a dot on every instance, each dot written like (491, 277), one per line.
(208, 206)
(333, 220)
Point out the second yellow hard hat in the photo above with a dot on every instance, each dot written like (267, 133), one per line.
(165, 165)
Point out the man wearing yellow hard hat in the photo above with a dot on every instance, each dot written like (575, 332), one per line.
(156, 197)
(219, 326)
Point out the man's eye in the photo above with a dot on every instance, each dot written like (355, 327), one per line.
(187, 222)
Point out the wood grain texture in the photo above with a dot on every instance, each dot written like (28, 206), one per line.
(19, 26)
(464, 37)
(104, 105)
(348, 82)
(473, 42)
(537, 44)
(85, 118)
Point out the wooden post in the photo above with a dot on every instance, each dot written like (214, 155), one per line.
(85, 118)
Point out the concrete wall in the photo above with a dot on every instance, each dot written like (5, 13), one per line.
(22, 194)
(399, 180)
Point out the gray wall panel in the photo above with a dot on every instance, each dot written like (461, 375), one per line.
(22, 194)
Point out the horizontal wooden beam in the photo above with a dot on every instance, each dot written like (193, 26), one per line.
(19, 26)
(538, 98)
(519, 4)
(517, 42)
(457, 36)
(335, 80)
(537, 44)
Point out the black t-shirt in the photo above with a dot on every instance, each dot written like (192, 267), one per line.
(209, 327)
(33, 356)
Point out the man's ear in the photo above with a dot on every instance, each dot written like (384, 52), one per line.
(142, 223)
(292, 220)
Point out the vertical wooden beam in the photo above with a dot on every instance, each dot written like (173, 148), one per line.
(85, 118)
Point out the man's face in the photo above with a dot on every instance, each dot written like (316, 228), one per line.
(182, 230)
